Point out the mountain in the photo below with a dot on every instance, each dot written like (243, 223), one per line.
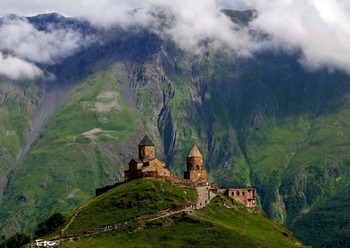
(263, 121)
(152, 213)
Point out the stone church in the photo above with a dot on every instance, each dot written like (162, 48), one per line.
(146, 164)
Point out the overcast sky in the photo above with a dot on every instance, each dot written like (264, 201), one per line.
(317, 28)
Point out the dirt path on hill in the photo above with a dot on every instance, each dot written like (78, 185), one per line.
(204, 195)
(203, 198)
(70, 222)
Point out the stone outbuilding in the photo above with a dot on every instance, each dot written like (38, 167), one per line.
(246, 196)
(195, 171)
(146, 164)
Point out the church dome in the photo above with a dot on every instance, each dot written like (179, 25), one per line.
(146, 141)
(194, 153)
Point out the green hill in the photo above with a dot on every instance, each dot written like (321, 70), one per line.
(129, 216)
(128, 201)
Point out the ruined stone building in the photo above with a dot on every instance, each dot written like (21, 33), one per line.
(195, 172)
(146, 164)
(246, 196)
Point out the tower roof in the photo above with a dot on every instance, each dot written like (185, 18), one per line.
(194, 152)
(146, 141)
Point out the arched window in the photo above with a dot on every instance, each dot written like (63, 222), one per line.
(191, 167)
(197, 167)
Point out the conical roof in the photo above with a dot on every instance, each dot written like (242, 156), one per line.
(146, 141)
(194, 153)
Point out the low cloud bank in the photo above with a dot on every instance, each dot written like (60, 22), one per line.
(319, 29)
(16, 68)
(23, 40)
(26, 48)
(315, 29)
(195, 26)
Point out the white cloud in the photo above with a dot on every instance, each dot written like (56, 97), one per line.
(23, 40)
(190, 26)
(318, 29)
(28, 46)
(16, 68)
(195, 25)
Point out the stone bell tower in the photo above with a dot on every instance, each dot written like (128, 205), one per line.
(195, 172)
(146, 149)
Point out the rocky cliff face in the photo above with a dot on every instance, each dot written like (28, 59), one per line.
(262, 122)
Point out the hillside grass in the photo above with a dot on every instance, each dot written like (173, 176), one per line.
(17, 103)
(223, 223)
(127, 201)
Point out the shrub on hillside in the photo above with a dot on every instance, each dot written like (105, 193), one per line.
(49, 225)
(17, 240)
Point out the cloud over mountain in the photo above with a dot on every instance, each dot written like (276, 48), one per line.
(195, 26)
(315, 29)
(16, 68)
(23, 40)
(319, 29)
(25, 46)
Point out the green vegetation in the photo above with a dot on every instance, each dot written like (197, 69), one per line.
(328, 220)
(49, 225)
(223, 223)
(128, 201)
(17, 102)
(71, 156)
(16, 241)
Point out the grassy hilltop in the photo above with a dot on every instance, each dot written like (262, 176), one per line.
(133, 206)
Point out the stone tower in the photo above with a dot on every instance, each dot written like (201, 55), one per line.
(195, 172)
(146, 149)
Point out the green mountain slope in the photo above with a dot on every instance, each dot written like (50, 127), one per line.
(262, 121)
(17, 105)
(328, 220)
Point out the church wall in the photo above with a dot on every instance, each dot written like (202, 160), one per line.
(195, 161)
(158, 166)
(198, 177)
